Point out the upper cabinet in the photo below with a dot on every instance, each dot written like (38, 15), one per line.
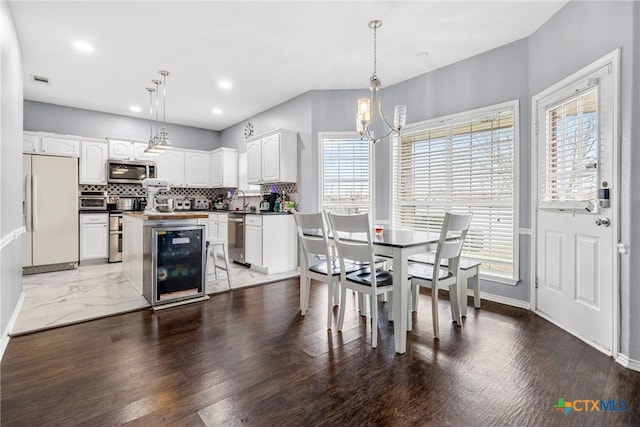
(93, 162)
(54, 145)
(273, 157)
(171, 166)
(197, 168)
(129, 150)
(224, 168)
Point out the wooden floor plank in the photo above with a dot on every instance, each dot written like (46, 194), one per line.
(248, 357)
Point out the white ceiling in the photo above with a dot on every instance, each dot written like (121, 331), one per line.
(271, 51)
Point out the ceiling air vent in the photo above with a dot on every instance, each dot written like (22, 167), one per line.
(40, 79)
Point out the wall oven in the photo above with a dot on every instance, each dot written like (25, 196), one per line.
(128, 172)
(92, 201)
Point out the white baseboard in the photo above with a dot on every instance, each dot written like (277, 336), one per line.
(502, 300)
(4, 341)
(625, 361)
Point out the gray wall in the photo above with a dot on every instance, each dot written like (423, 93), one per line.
(294, 114)
(577, 35)
(10, 163)
(44, 117)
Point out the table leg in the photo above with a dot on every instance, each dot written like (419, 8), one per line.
(400, 300)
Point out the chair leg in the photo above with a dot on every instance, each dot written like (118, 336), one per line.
(434, 311)
(331, 293)
(303, 287)
(343, 296)
(336, 294)
(455, 305)
(225, 249)
(414, 297)
(374, 320)
(307, 289)
(476, 289)
(215, 264)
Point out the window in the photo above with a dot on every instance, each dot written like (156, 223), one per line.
(462, 163)
(345, 173)
(571, 149)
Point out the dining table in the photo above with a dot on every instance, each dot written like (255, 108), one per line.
(398, 245)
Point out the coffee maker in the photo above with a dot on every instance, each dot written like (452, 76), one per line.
(268, 202)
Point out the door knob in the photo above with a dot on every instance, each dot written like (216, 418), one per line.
(604, 222)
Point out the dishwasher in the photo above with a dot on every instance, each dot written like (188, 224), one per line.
(236, 238)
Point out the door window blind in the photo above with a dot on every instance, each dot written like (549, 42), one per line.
(346, 174)
(464, 164)
(571, 149)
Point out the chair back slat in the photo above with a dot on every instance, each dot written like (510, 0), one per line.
(312, 246)
(358, 223)
(454, 231)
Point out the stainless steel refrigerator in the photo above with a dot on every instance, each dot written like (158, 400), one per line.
(50, 211)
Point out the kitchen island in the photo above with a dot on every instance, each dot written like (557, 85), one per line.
(164, 256)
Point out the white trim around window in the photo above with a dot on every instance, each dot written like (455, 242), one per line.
(446, 133)
(359, 202)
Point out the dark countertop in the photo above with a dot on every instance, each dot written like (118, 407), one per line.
(166, 216)
(251, 212)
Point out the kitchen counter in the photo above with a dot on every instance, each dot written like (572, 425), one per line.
(169, 216)
(251, 212)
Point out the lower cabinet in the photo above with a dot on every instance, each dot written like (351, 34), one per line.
(94, 236)
(271, 243)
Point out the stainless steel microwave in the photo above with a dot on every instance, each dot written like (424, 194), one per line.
(128, 172)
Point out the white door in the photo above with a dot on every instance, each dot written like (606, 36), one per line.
(171, 167)
(94, 241)
(139, 154)
(216, 168)
(575, 242)
(253, 245)
(121, 150)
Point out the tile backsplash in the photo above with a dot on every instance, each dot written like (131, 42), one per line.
(114, 190)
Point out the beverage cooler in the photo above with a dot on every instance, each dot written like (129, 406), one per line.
(174, 263)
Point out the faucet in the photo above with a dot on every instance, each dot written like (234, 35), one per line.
(244, 199)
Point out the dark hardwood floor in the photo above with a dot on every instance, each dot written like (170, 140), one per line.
(249, 358)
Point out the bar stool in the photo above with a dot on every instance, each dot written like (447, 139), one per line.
(212, 244)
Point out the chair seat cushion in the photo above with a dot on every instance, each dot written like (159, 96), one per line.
(363, 277)
(425, 271)
(321, 268)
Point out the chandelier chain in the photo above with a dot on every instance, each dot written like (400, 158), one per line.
(375, 49)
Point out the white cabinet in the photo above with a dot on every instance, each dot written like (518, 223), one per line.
(197, 169)
(30, 143)
(254, 162)
(271, 243)
(139, 154)
(94, 236)
(128, 150)
(224, 168)
(50, 144)
(171, 166)
(273, 157)
(93, 162)
(253, 242)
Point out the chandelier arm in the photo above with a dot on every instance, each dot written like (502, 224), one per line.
(393, 129)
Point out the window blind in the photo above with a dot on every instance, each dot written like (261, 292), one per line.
(461, 165)
(571, 149)
(346, 174)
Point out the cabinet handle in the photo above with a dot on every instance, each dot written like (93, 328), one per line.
(34, 209)
(27, 201)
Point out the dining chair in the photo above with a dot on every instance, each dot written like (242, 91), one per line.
(317, 260)
(371, 281)
(434, 276)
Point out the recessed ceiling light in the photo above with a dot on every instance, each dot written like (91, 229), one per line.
(216, 111)
(83, 46)
(135, 109)
(225, 84)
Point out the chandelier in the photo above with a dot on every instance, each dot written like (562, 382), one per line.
(366, 107)
(158, 140)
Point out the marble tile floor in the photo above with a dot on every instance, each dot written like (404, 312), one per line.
(91, 292)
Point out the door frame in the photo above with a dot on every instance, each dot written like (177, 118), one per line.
(613, 59)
